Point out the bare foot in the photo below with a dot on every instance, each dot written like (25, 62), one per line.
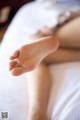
(29, 56)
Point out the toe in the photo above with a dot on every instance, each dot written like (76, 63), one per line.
(15, 68)
(13, 64)
(17, 71)
(14, 55)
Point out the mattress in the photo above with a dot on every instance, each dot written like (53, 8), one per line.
(65, 100)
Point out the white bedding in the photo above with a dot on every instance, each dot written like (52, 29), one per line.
(13, 90)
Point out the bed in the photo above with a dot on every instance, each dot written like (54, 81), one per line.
(66, 76)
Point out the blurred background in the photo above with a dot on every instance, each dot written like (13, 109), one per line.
(8, 8)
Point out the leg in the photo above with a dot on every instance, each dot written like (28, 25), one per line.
(69, 37)
(40, 80)
(39, 84)
(69, 42)
(63, 55)
(69, 34)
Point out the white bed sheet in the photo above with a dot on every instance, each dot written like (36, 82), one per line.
(13, 90)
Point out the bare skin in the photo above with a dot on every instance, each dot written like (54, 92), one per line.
(29, 56)
(39, 79)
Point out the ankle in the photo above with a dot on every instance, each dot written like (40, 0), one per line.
(51, 43)
(37, 115)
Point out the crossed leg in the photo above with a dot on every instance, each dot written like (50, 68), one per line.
(39, 80)
(29, 56)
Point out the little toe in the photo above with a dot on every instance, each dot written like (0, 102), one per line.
(14, 55)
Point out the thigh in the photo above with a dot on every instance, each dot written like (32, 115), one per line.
(69, 34)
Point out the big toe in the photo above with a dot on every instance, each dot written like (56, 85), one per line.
(17, 71)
